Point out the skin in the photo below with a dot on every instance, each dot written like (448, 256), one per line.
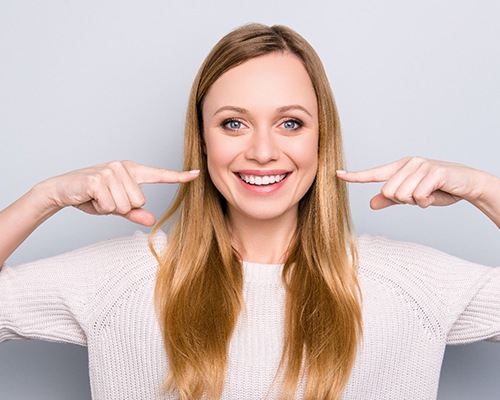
(261, 119)
(422, 182)
(111, 188)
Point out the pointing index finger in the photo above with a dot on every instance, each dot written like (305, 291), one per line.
(146, 174)
(377, 174)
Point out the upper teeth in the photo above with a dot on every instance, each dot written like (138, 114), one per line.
(262, 180)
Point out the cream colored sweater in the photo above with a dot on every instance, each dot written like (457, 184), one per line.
(416, 300)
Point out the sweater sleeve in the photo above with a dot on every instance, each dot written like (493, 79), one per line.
(52, 299)
(458, 298)
(479, 318)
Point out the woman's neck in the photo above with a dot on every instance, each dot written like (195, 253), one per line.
(262, 241)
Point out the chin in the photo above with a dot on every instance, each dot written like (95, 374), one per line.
(265, 213)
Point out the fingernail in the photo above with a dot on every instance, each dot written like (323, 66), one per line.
(194, 171)
(341, 172)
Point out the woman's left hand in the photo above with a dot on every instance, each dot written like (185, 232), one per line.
(425, 183)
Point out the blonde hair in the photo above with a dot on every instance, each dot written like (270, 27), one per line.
(198, 291)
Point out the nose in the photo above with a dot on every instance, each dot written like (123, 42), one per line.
(262, 146)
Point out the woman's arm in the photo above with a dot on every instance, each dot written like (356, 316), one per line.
(111, 188)
(425, 183)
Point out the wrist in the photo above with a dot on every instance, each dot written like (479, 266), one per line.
(41, 202)
(488, 199)
(22, 217)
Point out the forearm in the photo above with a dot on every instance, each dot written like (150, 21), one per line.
(489, 200)
(21, 218)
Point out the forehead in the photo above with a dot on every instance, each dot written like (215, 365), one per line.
(270, 81)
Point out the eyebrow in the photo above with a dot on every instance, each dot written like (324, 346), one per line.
(231, 108)
(294, 107)
(280, 109)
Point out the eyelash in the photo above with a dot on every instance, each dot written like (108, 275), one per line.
(226, 122)
(299, 124)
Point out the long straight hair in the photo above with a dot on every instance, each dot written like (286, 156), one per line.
(198, 292)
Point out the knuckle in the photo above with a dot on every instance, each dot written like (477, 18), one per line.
(122, 209)
(402, 199)
(139, 201)
(112, 169)
(419, 195)
(387, 192)
(93, 182)
(420, 199)
(106, 173)
(439, 171)
(108, 210)
(115, 165)
(417, 161)
(103, 208)
(423, 204)
(128, 164)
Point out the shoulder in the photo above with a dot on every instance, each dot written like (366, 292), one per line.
(381, 252)
(108, 255)
(126, 247)
(99, 268)
(126, 256)
(417, 270)
(94, 259)
(451, 297)
(123, 293)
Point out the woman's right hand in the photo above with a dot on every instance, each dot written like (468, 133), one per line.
(111, 188)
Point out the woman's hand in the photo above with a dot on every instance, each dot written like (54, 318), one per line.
(425, 183)
(111, 188)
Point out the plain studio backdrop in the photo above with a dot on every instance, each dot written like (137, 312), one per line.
(83, 82)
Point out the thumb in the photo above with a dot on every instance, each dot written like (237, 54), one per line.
(379, 202)
(140, 216)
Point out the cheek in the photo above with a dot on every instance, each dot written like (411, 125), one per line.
(306, 160)
(218, 153)
(219, 156)
(305, 154)
(211, 148)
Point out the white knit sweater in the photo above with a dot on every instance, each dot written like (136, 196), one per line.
(415, 301)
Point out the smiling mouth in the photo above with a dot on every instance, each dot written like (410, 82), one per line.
(263, 180)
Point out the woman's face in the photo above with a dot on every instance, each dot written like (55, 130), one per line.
(260, 124)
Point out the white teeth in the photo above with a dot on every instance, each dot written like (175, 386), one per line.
(262, 180)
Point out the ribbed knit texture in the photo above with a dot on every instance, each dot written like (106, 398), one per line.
(415, 301)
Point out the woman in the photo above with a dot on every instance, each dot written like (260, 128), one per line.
(261, 289)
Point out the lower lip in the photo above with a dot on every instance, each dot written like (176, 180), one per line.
(263, 189)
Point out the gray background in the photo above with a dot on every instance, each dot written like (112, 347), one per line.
(90, 81)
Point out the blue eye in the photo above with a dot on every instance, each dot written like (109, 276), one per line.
(291, 124)
(232, 124)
